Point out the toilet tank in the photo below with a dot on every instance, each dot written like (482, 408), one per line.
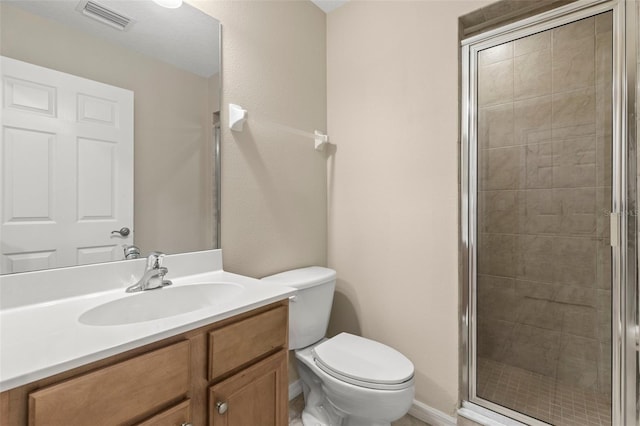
(309, 309)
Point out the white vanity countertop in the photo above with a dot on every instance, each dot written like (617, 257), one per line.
(43, 339)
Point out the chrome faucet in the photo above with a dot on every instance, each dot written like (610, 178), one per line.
(153, 275)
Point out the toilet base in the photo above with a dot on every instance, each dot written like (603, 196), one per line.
(352, 421)
(313, 417)
(332, 402)
(317, 410)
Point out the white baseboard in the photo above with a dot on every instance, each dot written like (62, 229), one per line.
(295, 389)
(430, 415)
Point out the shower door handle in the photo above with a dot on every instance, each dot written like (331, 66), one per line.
(614, 230)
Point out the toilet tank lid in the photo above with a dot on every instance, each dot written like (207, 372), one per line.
(303, 277)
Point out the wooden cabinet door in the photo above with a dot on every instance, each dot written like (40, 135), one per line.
(254, 396)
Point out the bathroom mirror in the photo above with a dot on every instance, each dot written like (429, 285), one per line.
(110, 133)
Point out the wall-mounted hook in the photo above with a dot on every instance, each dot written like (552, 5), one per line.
(237, 117)
(321, 139)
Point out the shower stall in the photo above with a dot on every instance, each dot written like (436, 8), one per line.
(548, 218)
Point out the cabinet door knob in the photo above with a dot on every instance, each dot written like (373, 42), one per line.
(186, 424)
(222, 407)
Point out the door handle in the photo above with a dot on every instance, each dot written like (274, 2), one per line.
(124, 231)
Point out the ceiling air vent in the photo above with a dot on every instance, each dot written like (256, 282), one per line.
(105, 15)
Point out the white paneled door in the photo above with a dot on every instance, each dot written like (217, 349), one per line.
(66, 172)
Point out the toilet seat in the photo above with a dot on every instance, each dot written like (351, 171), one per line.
(363, 362)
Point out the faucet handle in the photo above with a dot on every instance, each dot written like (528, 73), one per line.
(154, 260)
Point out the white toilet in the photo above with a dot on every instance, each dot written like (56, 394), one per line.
(347, 380)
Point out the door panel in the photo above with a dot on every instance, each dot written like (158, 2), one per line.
(28, 189)
(96, 179)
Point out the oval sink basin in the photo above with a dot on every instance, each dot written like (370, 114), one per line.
(162, 303)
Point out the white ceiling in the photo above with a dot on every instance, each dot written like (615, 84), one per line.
(329, 5)
(184, 37)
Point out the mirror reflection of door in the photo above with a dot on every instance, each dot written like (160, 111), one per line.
(66, 169)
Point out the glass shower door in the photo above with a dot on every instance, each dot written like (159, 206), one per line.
(544, 195)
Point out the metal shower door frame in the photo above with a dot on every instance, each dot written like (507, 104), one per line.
(625, 295)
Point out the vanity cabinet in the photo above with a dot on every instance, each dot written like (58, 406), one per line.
(231, 373)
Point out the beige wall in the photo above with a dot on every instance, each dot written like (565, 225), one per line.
(172, 179)
(392, 91)
(273, 181)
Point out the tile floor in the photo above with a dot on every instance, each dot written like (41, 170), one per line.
(541, 396)
(296, 405)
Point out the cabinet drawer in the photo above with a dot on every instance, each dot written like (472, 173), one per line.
(174, 416)
(117, 394)
(240, 343)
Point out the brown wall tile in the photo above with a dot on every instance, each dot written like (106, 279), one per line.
(577, 211)
(532, 120)
(496, 126)
(497, 298)
(534, 349)
(533, 43)
(580, 321)
(493, 338)
(500, 168)
(540, 313)
(565, 34)
(574, 162)
(538, 163)
(571, 109)
(495, 54)
(499, 212)
(604, 23)
(496, 255)
(604, 162)
(573, 64)
(534, 256)
(495, 83)
(532, 75)
(575, 262)
(540, 213)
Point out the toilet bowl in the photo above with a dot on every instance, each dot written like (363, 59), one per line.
(347, 380)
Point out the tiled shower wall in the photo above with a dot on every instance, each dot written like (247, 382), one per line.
(544, 137)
